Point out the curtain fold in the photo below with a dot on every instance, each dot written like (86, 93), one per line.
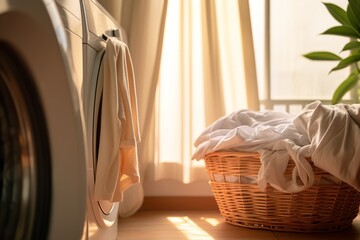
(249, 55)
(215, 106)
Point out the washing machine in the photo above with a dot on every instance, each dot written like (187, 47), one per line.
(98, 25)
(42, 133)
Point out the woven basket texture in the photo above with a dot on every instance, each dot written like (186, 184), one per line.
(329, 205)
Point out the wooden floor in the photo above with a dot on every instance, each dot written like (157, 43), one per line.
(209, 225)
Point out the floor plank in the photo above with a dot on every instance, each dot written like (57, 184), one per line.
(209, 225)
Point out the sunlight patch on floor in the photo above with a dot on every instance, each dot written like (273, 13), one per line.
(190, 229)
(212, 221)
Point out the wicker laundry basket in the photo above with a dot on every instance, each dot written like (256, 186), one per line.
(329, 205)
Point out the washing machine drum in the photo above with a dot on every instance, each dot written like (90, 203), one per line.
(24, 153)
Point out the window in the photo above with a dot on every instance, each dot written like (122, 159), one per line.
(282, 34)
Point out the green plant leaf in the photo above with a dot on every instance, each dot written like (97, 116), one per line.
(351, 45)
(344, 87)
(338, 13)
(345, 31)
(322, 56)
(355, 8)
(346, 62)
(352, 19)
(355, 51)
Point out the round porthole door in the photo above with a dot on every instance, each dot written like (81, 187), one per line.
(25, 171)
(105, 211)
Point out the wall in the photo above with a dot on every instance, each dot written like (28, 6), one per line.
(175, 188)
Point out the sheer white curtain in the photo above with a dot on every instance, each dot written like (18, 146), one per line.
(194, 62)
(207, 70)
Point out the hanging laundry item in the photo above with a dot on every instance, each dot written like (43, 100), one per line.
(117, 165)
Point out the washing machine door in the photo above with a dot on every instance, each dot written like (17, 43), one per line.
(42, 155)
(105, 212)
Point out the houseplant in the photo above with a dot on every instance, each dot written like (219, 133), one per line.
(349, 26)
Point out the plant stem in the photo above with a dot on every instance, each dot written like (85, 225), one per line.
(357, 67)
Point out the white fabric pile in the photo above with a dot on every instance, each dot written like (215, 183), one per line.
(330, 135)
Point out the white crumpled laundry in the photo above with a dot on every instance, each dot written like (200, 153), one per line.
(334, 132)
(247, 130)
(327, 134)
(270, 133)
